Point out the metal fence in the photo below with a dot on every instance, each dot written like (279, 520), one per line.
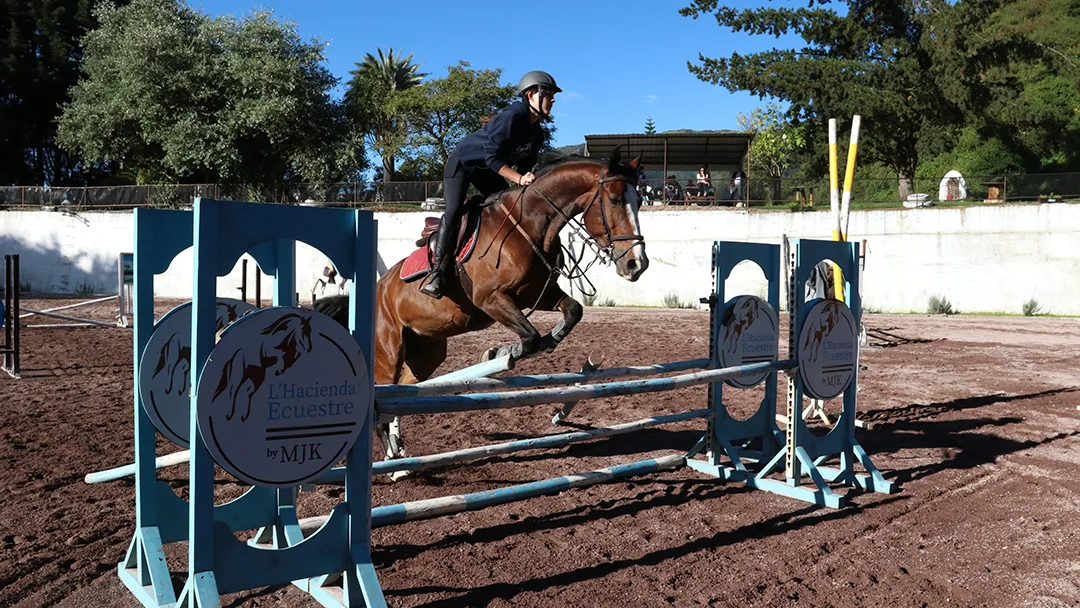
(655, 192)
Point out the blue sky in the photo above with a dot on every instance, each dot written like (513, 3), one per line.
(618, 63)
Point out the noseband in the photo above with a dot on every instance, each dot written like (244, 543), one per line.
(604, 253)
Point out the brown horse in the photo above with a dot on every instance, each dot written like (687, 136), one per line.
(514, 267)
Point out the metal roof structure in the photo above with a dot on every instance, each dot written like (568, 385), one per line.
(666, 149)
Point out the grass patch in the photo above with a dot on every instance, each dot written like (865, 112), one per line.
(1031, 308)
(672, 300)
(940, 305)
(607, 302)
(85, 289)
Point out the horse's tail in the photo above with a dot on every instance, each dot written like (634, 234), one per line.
(335, 307)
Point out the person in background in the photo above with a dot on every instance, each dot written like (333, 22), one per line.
(738, 181)
(484, 159)
(704, 182)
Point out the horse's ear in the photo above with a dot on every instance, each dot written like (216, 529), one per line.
(634, 163)
(616, 157)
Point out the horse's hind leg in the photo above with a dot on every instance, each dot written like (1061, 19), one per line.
(422, 356)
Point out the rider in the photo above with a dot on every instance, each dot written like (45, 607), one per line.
(483, 159)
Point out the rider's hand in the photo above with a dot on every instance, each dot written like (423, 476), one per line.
(526, 179)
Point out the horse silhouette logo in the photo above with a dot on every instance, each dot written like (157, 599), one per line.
(739, 319)
(283, 343)
(174, 356)
(816, 334)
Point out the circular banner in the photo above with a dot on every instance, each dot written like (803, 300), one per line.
(828, 348)
(165, 367)
(283, 396)
(748, 333)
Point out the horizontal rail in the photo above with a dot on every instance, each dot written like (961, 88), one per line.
(64, 317)
(487, 401)
(438, 387)
(68, 307)
(417, 463)
(127, 470)
(435, 507)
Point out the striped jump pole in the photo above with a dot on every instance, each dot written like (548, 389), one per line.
(446, 505)
(494, 366)
(417, 463)
(436, 386)
(487, 401)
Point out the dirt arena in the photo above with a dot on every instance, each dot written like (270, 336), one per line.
(975, 417)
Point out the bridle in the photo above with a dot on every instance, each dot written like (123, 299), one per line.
(603, 254)
(606, 253)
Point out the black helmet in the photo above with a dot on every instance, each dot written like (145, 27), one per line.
(536, 78)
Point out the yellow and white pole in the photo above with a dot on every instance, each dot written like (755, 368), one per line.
(834, 182)
(849, 177)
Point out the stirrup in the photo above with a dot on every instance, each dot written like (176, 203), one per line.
(433, 288)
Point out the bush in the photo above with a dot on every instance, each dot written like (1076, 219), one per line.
(671, 300)
(940, 305)
(1032, 308)
(607, 302)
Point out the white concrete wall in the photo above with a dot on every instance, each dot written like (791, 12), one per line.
(983, 259)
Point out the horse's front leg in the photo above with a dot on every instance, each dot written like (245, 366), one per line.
(556, 299)
(504, 311)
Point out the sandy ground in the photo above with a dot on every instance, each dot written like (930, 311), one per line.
(974, 417)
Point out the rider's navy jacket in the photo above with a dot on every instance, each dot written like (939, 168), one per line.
(509, 138)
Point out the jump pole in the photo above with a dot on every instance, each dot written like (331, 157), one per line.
(444, 459)
(494, 366)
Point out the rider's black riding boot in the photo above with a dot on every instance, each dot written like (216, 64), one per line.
(443, 250)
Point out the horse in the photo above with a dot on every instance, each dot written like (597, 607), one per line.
(286, 340)
(514, 267)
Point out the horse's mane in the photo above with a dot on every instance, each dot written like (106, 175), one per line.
(553, 160)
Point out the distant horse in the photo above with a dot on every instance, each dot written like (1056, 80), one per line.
(286, 340)
(515, 266)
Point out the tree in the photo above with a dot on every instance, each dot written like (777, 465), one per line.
(373, 100)
(40, 57)
(650, 127)
(1014, 67)
(197, 98)
(776, 144)
(441, 112)
(872, 60)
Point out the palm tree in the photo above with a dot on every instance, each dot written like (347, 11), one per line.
(371, 92)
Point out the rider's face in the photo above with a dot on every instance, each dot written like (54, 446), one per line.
(541, 100)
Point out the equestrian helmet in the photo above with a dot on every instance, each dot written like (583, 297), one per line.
(536, 78)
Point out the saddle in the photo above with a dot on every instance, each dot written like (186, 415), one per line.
(419, 262)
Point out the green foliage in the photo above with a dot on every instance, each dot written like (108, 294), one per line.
(374, 98)
(442, 111)
(1032, 308)
(607, 302)
(940, 305)
(870, 61)
(776, 146)
(40, 54)
(177, 95)
(650, 127)
(672, 300)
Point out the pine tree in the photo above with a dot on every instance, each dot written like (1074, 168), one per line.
(650, 127)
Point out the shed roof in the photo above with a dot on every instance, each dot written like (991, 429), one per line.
(695, 148)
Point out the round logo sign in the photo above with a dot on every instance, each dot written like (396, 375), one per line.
(283, 396)
(828, 348)
(165, 367)
(748, 333)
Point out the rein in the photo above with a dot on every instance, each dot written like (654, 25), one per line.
(605, 254)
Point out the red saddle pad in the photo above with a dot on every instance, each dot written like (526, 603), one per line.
(418, 264)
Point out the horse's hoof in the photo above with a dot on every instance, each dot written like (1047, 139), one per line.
(396, 475)
(489, 354)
